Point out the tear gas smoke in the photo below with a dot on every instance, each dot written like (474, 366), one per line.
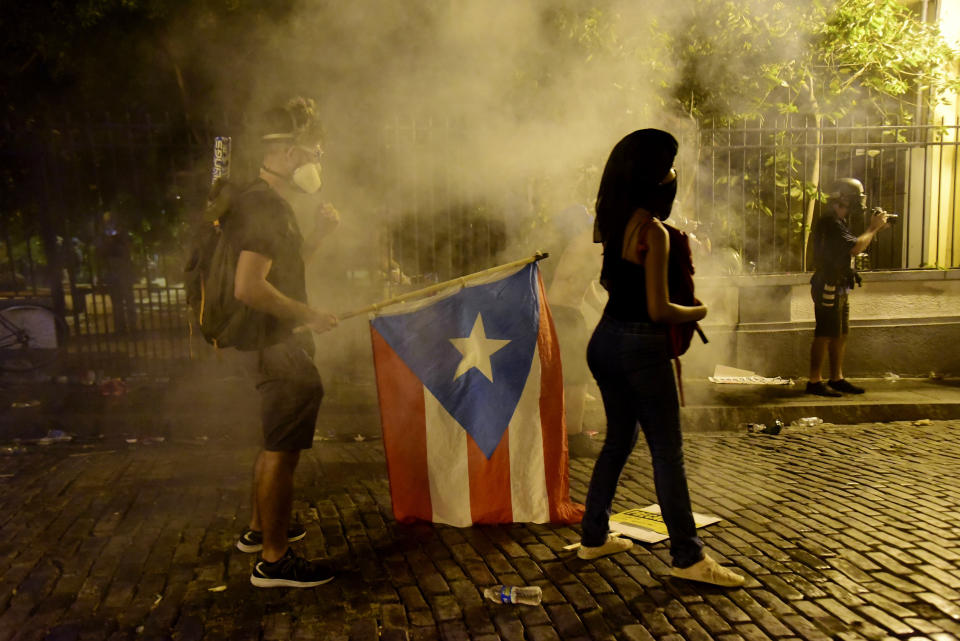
(443, 116)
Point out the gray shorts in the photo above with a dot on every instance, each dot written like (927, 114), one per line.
(290, 394)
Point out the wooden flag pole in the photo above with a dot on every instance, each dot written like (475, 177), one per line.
(432, 289)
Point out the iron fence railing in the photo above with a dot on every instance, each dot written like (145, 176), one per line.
(754, 192)
(759, 188)
(112, 277)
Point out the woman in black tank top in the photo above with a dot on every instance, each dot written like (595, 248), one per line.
(629, 352)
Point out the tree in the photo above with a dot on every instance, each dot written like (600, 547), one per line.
(69, 67)
(872, 57)
(112, 55)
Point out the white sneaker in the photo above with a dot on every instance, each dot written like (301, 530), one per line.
(612, 545)
(707, 570)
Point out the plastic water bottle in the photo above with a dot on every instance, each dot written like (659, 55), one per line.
(527, 595)
(808, 421)
(760, 428)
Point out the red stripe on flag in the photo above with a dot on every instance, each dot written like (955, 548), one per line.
(552, 421)
(490, 482)
(404, 432)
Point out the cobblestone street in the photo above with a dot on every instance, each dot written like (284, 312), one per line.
(845, 532)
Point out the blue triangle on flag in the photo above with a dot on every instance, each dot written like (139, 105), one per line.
(508, 310)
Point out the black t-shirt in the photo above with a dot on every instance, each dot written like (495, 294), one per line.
(831, 250)
(261, 221)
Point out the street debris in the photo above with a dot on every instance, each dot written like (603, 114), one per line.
(20, 404)
(113, 387)
(54, 436)
(646, 523)
(333, 436)
(522, 595)
(726, 375)
(923, 421)
(217, 588)
(807, 421)
(12, 450)
(890, 377)
(760, 428)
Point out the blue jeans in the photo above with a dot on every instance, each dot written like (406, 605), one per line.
(631, 363)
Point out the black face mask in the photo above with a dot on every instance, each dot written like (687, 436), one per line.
(660, 200)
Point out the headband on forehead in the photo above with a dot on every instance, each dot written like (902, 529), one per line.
(296, 121)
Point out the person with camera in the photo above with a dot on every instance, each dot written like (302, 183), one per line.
(834, 249)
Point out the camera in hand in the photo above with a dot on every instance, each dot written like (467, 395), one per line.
(891, 218)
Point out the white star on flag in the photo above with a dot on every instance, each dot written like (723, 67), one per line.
(477, 350)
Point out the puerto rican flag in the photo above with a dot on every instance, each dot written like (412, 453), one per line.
(471, 405)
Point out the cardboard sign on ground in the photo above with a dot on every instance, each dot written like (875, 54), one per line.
(646, 524)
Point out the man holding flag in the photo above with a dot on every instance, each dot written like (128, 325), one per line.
(270, 279)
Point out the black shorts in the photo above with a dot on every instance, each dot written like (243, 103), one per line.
(290, 394)
(832, 320)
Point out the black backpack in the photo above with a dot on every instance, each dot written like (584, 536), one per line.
(209, 281)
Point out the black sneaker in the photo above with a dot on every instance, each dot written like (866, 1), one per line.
(290, 571)
(252, 540)
(843, 385)
(820, 389)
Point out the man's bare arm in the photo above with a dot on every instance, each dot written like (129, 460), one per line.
(252, 289)
(877, 222)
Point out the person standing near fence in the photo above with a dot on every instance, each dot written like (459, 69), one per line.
(834, 249)
(271, 278)
(568, 291)
(629, 352)
(118, 272)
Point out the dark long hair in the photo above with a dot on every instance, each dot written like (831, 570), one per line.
(636, 165)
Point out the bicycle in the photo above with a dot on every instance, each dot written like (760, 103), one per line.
(31, 337)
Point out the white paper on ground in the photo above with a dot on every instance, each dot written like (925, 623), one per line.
(732, 376)
(645, 524)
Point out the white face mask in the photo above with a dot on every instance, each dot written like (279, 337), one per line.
(307, 177)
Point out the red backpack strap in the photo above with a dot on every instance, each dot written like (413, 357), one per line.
(676, 361)
(641, 232)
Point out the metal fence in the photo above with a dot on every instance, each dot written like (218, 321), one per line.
(758, 189)
(755, 190)
(440, 222)
(113, 277)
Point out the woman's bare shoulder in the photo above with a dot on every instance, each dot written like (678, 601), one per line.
(657, 232)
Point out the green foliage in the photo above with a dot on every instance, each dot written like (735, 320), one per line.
(157, 55)
(776, 65)
(756, 60)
